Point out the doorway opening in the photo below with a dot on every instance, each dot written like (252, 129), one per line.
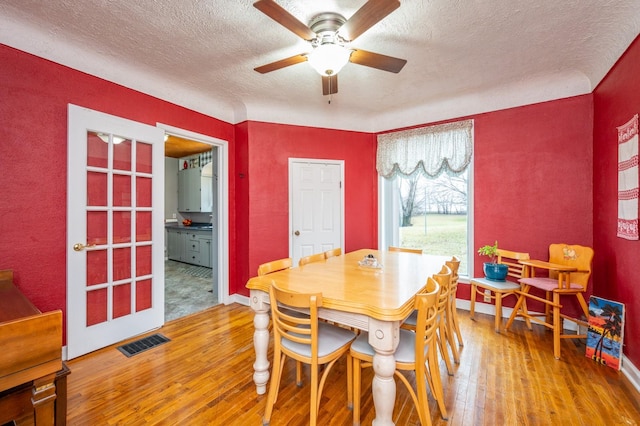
(192, 237)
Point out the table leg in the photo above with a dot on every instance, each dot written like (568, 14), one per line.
(498, 297)
(384, 388)
(260, 343)
(472, 300)
(384, 337)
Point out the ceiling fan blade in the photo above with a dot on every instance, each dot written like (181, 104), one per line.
(376, 60)
(281, 63)
(274, 11)
(366, 17)
(329, 85)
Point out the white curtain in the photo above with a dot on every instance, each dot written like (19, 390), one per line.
(429, 150)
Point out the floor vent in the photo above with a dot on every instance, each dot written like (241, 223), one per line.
(133, 348)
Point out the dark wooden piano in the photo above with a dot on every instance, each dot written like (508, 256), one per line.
(32, 374)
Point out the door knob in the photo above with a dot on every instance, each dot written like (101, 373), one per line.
(296, 233)
(80, 246)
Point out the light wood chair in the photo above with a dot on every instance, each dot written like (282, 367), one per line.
(332, 253)
(556, 285)
(454, 265)
(305, 340)
(416, 352)
(318, 257)
(405, 249)
(499, 290)
(444, 337)
(275, 266)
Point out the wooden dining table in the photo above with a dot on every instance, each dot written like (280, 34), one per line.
(373, 299)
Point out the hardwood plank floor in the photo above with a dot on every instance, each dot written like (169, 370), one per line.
(204, 377)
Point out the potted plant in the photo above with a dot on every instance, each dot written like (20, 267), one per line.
(492, 270)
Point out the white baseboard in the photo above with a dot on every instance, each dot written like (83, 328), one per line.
(631, 372)
(237, 298)
(484, 308)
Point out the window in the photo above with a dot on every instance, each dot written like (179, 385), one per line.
(425, 190)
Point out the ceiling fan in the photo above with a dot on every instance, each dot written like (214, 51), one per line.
(329, 34)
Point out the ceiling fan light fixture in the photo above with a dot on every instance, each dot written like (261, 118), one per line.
(329, 58)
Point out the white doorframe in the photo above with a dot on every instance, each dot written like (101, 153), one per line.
(222, 214)
(339, 163)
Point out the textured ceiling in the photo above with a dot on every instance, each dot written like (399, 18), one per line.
(464, 57)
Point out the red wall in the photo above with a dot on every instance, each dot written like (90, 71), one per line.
(533, 178)
(34, 94)
(537, 170)
(269, 148)
(617, 275)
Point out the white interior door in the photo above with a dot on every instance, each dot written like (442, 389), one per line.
(115, 233)
(316, 195)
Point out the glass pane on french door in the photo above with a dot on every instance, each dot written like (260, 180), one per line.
(119, 262)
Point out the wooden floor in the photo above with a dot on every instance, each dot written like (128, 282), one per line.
(204, 377)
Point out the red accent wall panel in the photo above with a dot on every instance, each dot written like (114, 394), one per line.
(616, 273)
(242, 210)
(543, 173)
(268, 151)
(33, 162)
(533, 178)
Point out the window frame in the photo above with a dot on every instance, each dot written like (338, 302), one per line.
(389, 211)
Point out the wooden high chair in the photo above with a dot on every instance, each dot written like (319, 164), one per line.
(569, 269)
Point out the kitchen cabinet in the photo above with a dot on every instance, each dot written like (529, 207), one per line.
(189, 246)
(192, 244)
(189, 188)
(205, 251)
(175, 244)
(195, 189)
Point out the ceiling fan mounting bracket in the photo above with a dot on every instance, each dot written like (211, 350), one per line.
(326, 26)
(326, 22)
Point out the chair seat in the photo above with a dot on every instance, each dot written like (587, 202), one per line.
(496, 286)
(546, 284)
(405, 353)
(330, 339)
(412, 319)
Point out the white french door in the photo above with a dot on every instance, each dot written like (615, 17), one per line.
(115, 235)
(316, 203)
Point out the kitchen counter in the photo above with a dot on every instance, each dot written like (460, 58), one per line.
(193, 227)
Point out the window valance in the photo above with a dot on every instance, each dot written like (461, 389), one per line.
(429, 150)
